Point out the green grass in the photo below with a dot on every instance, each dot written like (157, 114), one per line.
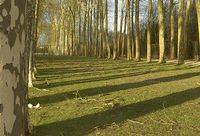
(88, 96)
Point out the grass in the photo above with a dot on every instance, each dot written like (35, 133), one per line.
(88, 96)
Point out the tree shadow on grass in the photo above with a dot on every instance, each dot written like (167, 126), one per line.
(58, 72)
(83, 125)
(88, 80)
(104, 78)
(110, 88)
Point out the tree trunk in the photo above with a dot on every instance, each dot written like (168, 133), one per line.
(13, 69)
(88, 30)
(137, 33)
(35, 27)
(161, 32)
(129, 56)
(198, 16)
(62, 29)
(186, 29)
(80, 31)
(115, 30)
(30, 38)
(74, 35)
(97, 30)
(180, 34)
(132, 28)
(102, 46)
(84, 30)
(94, 27)
(124, 35)
(149, 31)
(172, 31)
(91, 28)
(121, 25)
(106, 30)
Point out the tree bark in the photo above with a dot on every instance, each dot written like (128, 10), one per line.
(91, 28)
(186, 29)
(137, 33)
(161, 32)
(129, 55)
(106, 30)
(13, 69)
(180, 34)
(149, 31)
(172, 31)
(88, 30)
(198, 16)
(97, 30)
(121, 25)
(80, 31)
(115, 30)
(30, 37)
(84, 29)
(124, 35)
(132, 28)
(102, 46)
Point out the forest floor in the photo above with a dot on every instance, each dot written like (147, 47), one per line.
(88, 96)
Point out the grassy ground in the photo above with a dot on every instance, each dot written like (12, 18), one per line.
(86, 96)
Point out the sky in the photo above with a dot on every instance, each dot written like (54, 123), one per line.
(143, 12)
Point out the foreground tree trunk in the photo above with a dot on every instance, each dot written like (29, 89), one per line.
(172, 32)
(198, 16)
(149, 31)
(180, 34)
(161, 32)
(115, 30)
(13, 69)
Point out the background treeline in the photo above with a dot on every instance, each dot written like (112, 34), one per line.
(140, 28)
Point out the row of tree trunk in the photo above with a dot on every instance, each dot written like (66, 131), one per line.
(86, 33)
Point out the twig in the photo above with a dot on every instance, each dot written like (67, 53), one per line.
(133, 121)
(164, 122)
(97, 108)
